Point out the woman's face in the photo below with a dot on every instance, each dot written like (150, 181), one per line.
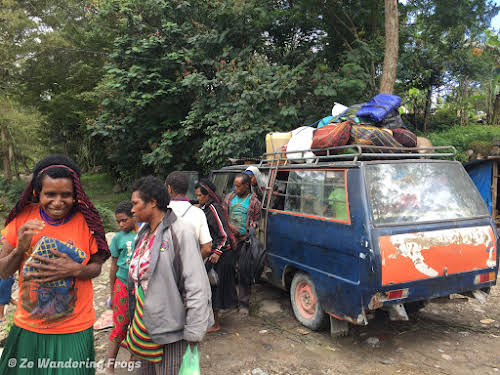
(202, 199)
(143, 211)
(56, 196)
(253, 179)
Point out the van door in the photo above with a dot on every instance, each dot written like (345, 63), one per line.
(311, 227)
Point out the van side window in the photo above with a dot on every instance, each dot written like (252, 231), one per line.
(224, 183)
(279, 190)
(318, 193)
(336, 198)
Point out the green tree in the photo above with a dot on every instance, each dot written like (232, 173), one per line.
(20, 142)
(61, 71)
(437, 37)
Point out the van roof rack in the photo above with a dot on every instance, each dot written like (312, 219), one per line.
(355, 153)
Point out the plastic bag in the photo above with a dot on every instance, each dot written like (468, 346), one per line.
(213, 278)
(190, 362)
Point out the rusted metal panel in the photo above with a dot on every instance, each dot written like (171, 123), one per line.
(415, 256)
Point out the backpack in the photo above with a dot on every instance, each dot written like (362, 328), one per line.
(251, 259)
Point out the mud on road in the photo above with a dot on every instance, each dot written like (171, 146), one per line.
(462, 337)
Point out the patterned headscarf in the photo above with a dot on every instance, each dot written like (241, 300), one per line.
(213, 195)
(82, 203)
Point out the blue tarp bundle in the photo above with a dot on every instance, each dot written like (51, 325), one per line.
(481, 173)
(378, 107)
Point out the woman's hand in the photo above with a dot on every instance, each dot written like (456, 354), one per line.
(26, 232)
(214, 258)
(53, 269)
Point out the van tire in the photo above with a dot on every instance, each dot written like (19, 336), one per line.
(305, 304)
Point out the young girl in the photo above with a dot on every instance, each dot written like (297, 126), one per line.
(122, 248)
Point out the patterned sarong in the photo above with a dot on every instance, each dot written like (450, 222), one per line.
(121, 318)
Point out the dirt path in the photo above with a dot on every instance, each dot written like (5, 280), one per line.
(445, 339)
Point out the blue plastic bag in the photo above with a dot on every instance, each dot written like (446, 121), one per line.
(190, 362)
(379, 106)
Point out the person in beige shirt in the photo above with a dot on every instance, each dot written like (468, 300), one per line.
(177, 185)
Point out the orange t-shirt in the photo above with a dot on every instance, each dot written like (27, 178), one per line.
(54, 310)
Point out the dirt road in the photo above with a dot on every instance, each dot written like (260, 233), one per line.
(462, 337)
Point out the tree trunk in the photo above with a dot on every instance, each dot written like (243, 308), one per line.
(495, 120)
(6, 161)
(391, 46)
(427, 113)
(488, 104)
(12, 160)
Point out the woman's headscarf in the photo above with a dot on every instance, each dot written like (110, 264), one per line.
(215, 198)
(82, 203)
(261, 179)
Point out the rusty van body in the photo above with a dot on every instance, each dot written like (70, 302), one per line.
(347, 237)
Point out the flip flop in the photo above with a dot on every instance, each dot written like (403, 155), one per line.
(213, 329)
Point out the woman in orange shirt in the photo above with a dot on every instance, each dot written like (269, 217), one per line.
(54, 237)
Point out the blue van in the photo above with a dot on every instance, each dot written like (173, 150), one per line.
(349, 234)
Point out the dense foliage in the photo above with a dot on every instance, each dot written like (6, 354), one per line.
(148, 86)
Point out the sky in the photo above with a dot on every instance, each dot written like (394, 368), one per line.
(495, 22)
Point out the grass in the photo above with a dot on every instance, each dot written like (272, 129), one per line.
(99, 188)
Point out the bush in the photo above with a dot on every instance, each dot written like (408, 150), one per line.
(462, 137)
(108, 218)
(10, 194)
(481, 147)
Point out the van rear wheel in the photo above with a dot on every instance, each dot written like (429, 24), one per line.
(305, 303)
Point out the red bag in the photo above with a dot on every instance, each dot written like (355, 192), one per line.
(405, 137)
(331, 136)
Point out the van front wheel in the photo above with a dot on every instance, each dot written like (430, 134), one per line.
(305, 304)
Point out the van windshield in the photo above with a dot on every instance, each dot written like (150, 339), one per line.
(421, 192)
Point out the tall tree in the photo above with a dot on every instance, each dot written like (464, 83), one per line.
(391, 47)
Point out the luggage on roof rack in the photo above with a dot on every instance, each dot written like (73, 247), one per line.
(357, 152)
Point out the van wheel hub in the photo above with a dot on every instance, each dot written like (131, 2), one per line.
(305, 300)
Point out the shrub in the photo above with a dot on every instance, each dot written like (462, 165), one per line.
(462, 137)
(481, 147)
(108, 218)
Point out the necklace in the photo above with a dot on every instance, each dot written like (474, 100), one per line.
(55, 222)
(146, 241)
(152, 232)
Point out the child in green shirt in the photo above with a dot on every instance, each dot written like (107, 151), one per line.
(122, 248)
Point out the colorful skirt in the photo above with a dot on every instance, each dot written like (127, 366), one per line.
(138, 340)
(171, 361)
(121, 317)
(31, 353)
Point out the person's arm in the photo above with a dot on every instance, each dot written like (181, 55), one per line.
(206, 249)
(204, 237)
(195, 285)
(254, 212)
(220, 235)
(10, 257)
(112, 274)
